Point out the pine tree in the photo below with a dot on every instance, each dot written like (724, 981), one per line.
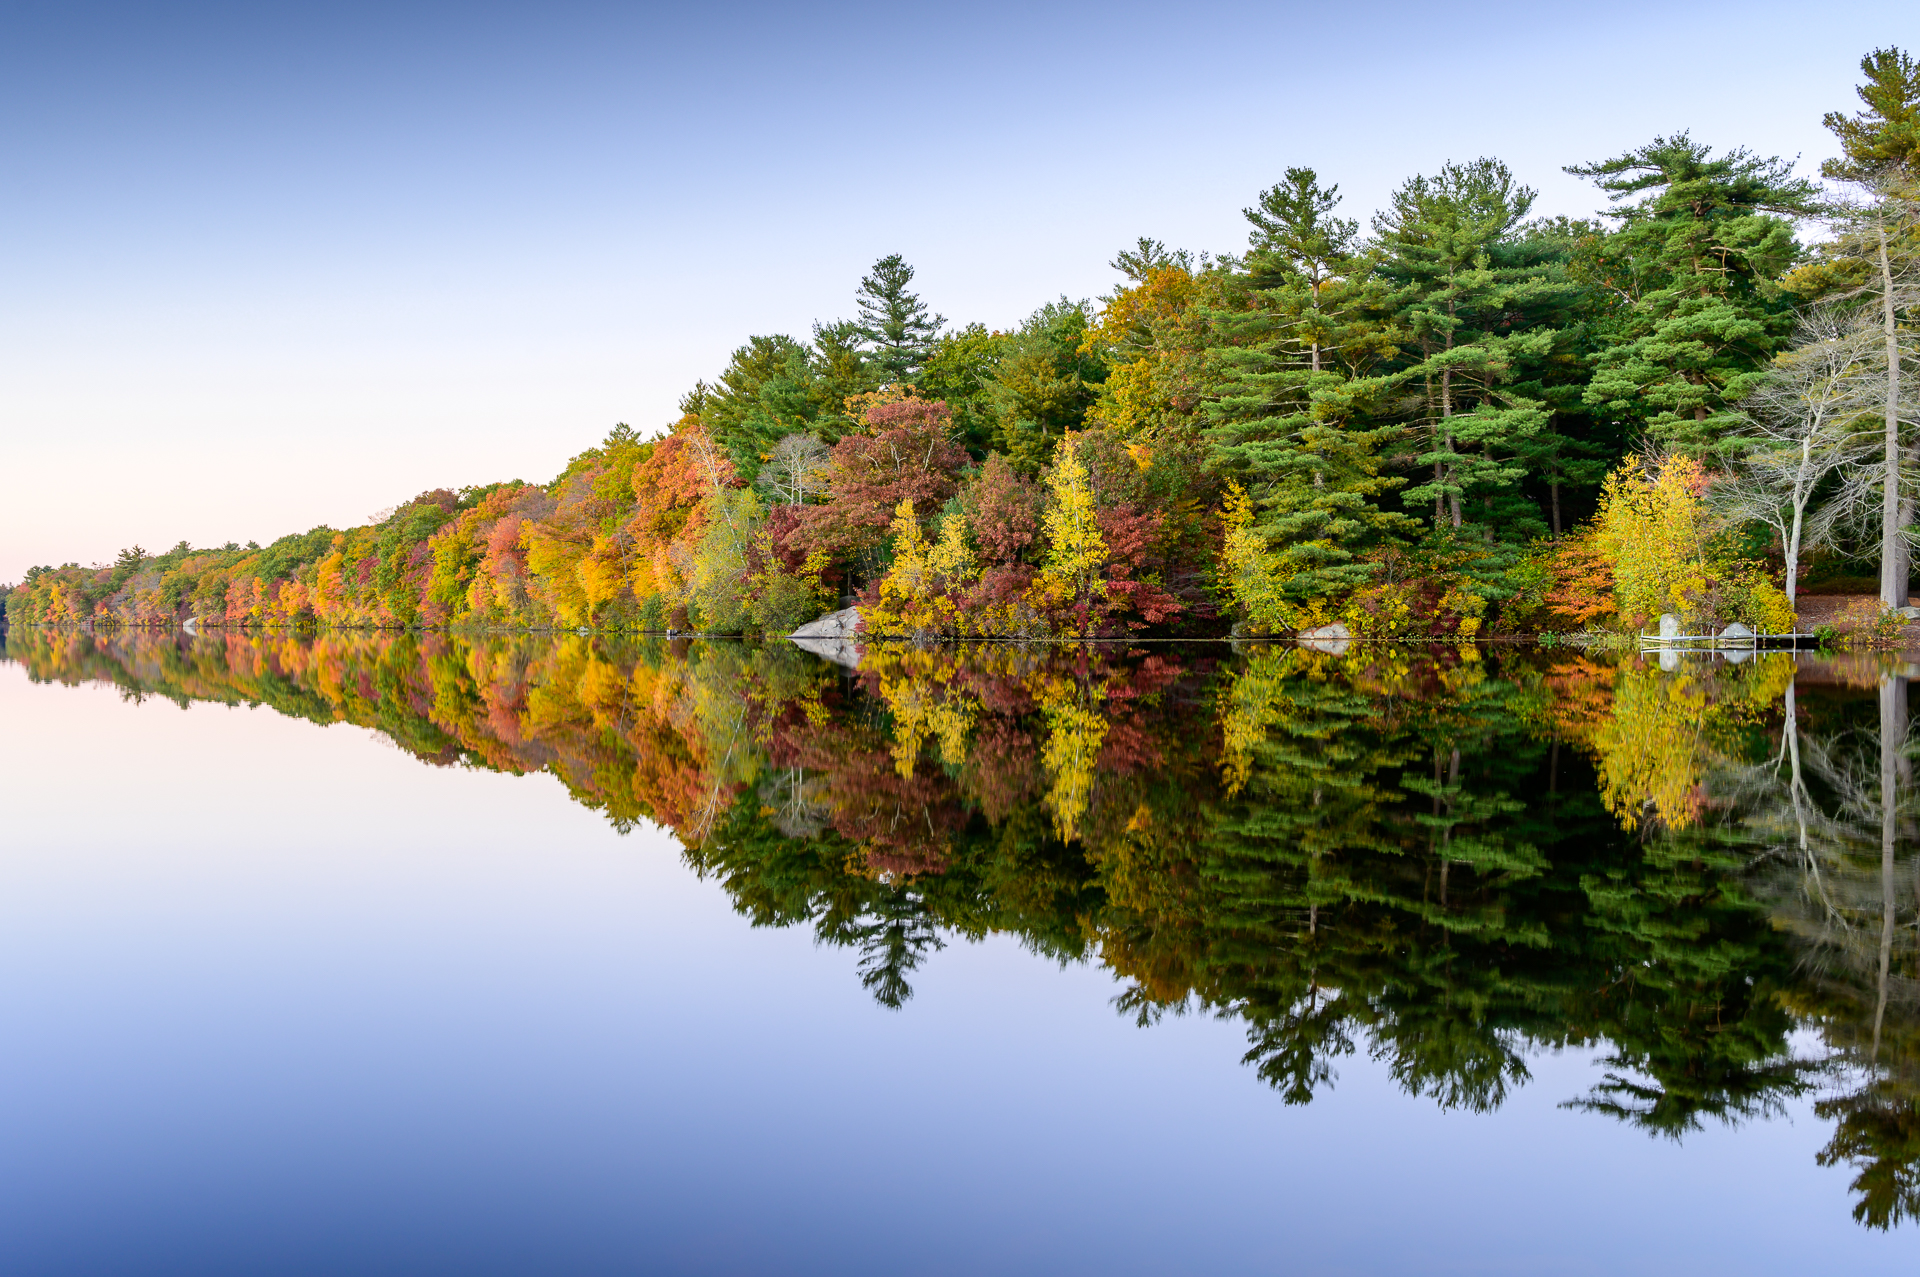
(1887, 134)
(1300, 250)
(1276, 414)
(764, 394)
(1481, 312)
(1696, 257)
(1878, 251)
(894, 321)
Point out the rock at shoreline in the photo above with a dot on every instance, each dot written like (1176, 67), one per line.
(1669, 625)
(833, 637)
(1332, 639)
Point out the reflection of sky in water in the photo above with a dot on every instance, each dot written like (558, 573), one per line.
(276, 1000)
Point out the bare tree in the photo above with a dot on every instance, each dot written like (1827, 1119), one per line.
(797, 468)
(1882, 236)
(1804, 424)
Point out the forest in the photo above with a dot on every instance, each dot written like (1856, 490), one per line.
(1455, 420)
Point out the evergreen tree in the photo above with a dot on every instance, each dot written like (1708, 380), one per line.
(1887, 134)
(1478, 313)
(961, 372)
(843, 370)
(894, 322)
(762, 396)
(1576, 449)
(1299, 250)
(1278, 420)
(774, 387)
(1696, 257)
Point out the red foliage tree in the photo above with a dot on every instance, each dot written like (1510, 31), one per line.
(906, 452)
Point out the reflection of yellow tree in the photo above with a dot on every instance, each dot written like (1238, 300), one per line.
(1075, 731)
(1666, 730)
(938, 695)
(919, 689)
(1249, 706)
(1652, 748)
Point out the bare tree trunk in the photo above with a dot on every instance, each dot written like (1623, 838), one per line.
(1799, 518)
(1893, 543)
(1795, 785)
(1554, 486)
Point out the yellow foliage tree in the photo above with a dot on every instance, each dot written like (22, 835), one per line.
(1668, 556)
(1249, 571)
(1071, 583)
(924, 591)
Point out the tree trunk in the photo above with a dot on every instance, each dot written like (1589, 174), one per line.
(1893, 544)
(1316, 336)
(1553, 485)
(1446, 413)
(1801, 494)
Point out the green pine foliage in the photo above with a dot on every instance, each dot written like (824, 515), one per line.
(1702, 242)
(1281, 420)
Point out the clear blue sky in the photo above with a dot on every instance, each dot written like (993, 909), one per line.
(265, 267)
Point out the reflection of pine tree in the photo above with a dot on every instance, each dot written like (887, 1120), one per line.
(1690, 1007)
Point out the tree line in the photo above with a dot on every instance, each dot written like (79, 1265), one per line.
(1461, 416)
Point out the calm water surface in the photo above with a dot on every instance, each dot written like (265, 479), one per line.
(391, 954)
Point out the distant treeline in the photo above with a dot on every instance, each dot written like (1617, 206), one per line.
(1462, 416)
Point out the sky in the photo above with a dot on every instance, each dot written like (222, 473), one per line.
(264, 267)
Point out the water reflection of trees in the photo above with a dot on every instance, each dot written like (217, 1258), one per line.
(1833, 815)
(1444, 860)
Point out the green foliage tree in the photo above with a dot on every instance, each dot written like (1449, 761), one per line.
(895, 324)
(1481, 311)
(1886, 135)
(961, 372)
(1695, 261)
(1045, 378)
(1278, 420)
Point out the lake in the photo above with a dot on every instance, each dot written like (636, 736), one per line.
(417, 953)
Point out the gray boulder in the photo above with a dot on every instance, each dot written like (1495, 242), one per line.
(1333, 639)
(833, 637)
(842, 624)
(1669, 625)
(1737, 633)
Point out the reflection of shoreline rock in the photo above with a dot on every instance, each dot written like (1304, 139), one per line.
(833, 637)
(1333, 639)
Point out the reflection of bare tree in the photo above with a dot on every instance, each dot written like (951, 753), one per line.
(1835, 812)
(797, 801)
